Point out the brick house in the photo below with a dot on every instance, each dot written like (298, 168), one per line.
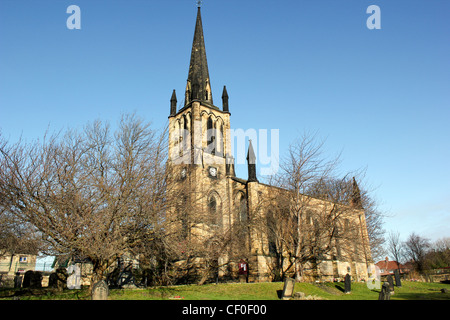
(387, 267)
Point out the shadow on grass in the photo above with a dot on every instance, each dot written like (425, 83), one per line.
(339, 286)
(420, 296)
(42, 294)
(279, 293)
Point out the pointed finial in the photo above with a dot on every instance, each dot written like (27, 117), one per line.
(251, 159)
(173, 104)
(199, 3)
(225, 99)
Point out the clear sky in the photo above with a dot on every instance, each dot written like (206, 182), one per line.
(381, 97)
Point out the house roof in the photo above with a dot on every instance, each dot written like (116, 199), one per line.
(390, 265)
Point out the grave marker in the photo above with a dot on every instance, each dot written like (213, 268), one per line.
(385, 293)
(347, 283)
(100, 291)
(390, 280)
(288, 289)
(398, 282)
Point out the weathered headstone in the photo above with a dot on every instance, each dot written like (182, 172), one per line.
(27, 279)
(398, 282)
(347, 283)
(32, 279)
(385, 293)
(18, 280)
(288, 289)
(390, 280)
(36, 280)
(53, 280)
(100, 290)
(299, 296)
(74, 280)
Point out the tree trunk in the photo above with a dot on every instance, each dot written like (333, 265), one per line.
(298, 271)
(98, 272)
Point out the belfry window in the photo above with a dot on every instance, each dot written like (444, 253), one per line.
(211, 136)
(212, 208)
(242, 208)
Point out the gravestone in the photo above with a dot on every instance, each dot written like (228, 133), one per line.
(58, 279)
(32, 279)
(347, 283)
(74, 280)
(398, 282)
(27, 279)
(53, 280)
(390, 280)
(18, 280)
(385, 293)
(299, 296)
(36, 280)
(288, 289)
(100, 291)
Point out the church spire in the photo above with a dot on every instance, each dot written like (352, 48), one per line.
(355, 199)
(198, 83)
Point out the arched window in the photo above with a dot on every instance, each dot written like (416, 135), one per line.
(271, 231)
(212, 209)
(184, 132)
(242, 207)
(220, 150)
(211, 136)
(178, 138)
(184, 218)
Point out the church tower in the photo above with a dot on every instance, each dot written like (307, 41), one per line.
(199, 145)
(218, 218)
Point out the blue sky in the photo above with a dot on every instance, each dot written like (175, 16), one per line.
(380, 97)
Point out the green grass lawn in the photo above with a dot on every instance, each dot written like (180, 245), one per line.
(245, 291)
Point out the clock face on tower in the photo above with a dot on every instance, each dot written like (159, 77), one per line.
(213, 172)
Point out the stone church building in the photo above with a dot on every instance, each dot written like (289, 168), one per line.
(201, 158)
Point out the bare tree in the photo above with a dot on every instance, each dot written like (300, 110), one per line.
(439, 254)
(396, 247)
(17, 237)
(416, 249)
(309, 222)
(93, 194)
(343, 191)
